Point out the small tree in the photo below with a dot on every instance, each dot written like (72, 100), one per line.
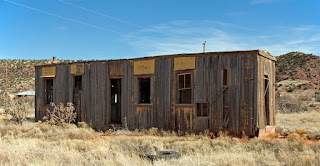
(61, 114)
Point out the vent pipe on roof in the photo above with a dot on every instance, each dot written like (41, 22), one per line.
(204, 46)
(54, 60)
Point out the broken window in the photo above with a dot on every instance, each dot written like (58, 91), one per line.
(48, 90)
(202, 109)
(144, 90)
(185, 90)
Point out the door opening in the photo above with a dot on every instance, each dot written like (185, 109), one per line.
(266, 99)
(115, 100)
(77, 88)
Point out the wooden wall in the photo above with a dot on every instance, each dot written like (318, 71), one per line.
(243, 93)
(266, 68)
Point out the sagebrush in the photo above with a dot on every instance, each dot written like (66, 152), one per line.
(61, 114)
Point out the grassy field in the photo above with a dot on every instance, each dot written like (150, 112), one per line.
(43, 144)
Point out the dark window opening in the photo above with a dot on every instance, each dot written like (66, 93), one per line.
(78, 82)
(185, 90)
(225, 77)
(144, 90)
(49, 90)
(225, 95)
(202, 109)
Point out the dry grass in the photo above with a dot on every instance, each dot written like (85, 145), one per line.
(45, 144)
(303, 123)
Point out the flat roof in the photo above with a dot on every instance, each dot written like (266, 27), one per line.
(26, 93)
(263, 53)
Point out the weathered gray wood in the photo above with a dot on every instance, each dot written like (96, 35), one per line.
(101, 86)
(245, 99)
(86, 93)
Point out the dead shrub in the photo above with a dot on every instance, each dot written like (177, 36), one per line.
(305, 98)
(83, 125)
(287, 104)
(302, 131)
(61, 114)
(296, 141)
(16, 110)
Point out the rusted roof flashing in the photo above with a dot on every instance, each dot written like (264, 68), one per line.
(267, 55)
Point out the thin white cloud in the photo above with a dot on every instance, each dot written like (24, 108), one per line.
(173, 38)
(62, 28)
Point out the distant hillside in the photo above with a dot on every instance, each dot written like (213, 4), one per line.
(298, 65)
(20, 74)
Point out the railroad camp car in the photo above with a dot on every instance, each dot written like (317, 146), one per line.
(217, 91)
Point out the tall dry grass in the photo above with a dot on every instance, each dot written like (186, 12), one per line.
(45, 144)
(303, 122)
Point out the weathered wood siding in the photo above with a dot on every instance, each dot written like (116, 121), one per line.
(243, 96)
(266, 67)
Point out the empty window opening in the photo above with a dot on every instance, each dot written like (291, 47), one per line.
(184, 94)
(144, 90)
(78, 82)
(202, 109)
(225, 77)
(49, 90)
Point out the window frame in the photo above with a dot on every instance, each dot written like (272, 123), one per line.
(178, 89)
(137, 91)
(201, 110)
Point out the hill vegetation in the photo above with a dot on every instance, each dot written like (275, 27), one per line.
(20, 74)
(298, 66)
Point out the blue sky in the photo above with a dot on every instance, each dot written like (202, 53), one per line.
(105, 29)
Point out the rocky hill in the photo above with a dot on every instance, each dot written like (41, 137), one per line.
(298, 66)
(20, 74)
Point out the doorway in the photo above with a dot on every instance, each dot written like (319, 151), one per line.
(266, 100)
(115, 100)
(77, 87)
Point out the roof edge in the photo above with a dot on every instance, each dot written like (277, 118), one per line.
(262, 53)
(267, 55)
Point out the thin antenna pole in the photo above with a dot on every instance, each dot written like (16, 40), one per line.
(6, 79)
(204, 46)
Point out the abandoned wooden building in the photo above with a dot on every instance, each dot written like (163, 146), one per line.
(216, 91)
